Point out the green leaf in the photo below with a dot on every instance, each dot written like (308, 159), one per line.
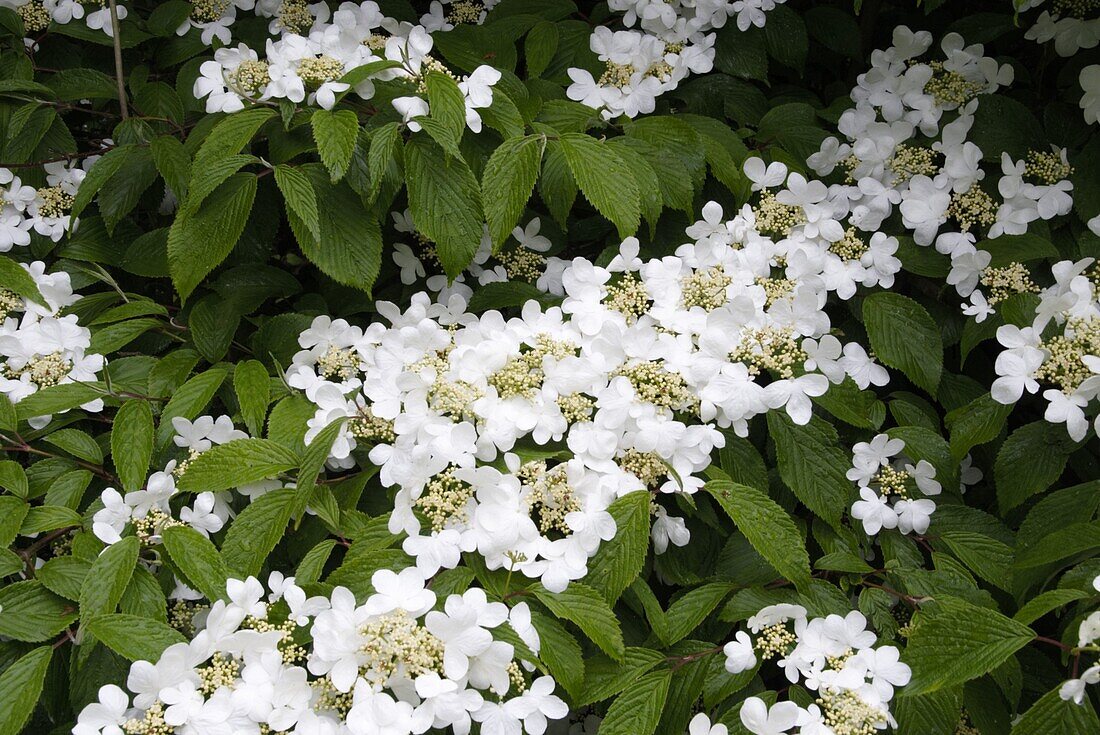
(1008, 249)
(447, 104)
(12, 512)
(385, 145)
(236, 463)
(978, 422)
(313, 462)
(904, 336)
(508, 181)
(48, 518)
(605, 677)
(173, 163)
(256, 531)
(561, 653)
(336, 132)
(212, 323)
(1039, 606)
(505, 294)
(205, 182)
(188, 401)
(619, 561)
(583, 606)
(349, 247)
(9, 419)
(953, 641)
(132, 443)
(1052, 715)
(134, 638)
(785, 37)
(14, 277)
(927, 714)
(1030, 460)
(540, 46)
(230, 135)
(73, 85)
(99, 174)
(812, 464)
(108, 577)
(690, 610)
(604, 179)
(252, 386)
(445, 201)
(987, 557)
(13, 478)
(58, 398)
(199, 241)
(767, 526)
(197, 559)
(300, 197)
(20, 686)
(30, 612)
(638, 709)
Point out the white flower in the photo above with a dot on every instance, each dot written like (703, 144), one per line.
(739, 653)
(106, 716)
(759, 719)
(874, 511)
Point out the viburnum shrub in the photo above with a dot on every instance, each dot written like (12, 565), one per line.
(529, 366)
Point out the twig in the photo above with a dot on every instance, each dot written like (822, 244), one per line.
(117, 38)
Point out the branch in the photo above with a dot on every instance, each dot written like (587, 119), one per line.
(117, 38)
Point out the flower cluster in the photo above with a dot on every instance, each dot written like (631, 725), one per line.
(38, 14)
(836, 657)
(887, 480)
(511, 437)
(1088, 639)
(45, 210)
(673, 41)
(907, 149)
(1072, 24)
(148, 511)
(276, 660)
(39, 347)
(1059, 351)
(322, 60)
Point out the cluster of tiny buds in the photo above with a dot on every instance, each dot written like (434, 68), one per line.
(153, 524)
(648, 467)
(35, 16)
(316, 71)
(654, 384)
(181, 615)
(219, 671)
(846, 714)
(911, 160)
(208, 11)
(775, 640)
(950, 87)
(628, 297)
(974, 207)
(705, 288)
(770, 348)
(151, 723)
(551, 497)
(9, 302)
(395, 641)
(575, 407)
(1074, 8)
(1047, 167)
(616, 75)
(775, 289)
(892, 482)
(292, 653)
(965, 726)
(849, 247)
(367, 426)
(328, 699)
(294, 17)
(465, 11)
(1063, 367)
(775, 218)
(181, 467)
(55, 202)
(444, 499)
(1006, 281)
(250, 77)
(522, 264)
(428, 65)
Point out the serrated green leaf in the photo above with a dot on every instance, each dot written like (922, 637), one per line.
(604, 179)
(252, 386)
(236, 463)
(300, 196)
(953, 641)
(335, 132)
(638, 709)
(767, 526)
(198, 559)
(445, 201)
(30, 612)
(132, 637)
(256, 531)
(1052, 715)
(582, 605)
(14, 277)
(619, 561)
(904, 336)
(132, 442)
(108, 577)
(812, 464)
(1030, 461)
(20, 687)
(188, 401)
(508, 182)
(199, 240)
